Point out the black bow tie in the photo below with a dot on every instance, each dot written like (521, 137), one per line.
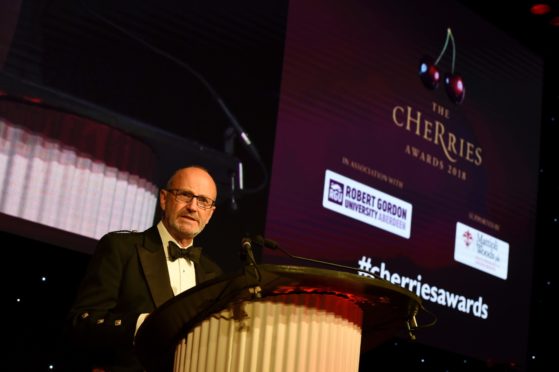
(192, 253)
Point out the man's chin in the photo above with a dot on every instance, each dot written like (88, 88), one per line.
(188, 230)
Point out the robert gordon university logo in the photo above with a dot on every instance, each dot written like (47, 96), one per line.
(336, 192)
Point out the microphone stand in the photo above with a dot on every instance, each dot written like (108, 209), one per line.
(243, 135)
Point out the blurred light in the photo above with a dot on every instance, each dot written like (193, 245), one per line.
(554, 21)
(540, 9)
(33, 99)
(43, 278)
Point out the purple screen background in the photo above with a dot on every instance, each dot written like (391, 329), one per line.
(347, 65)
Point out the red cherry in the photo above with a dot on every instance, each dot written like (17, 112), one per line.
(455, 88)
(429, 73)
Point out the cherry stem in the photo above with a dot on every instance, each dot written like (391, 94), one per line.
(448, 36)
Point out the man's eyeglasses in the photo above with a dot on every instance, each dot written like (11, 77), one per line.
(186, 197)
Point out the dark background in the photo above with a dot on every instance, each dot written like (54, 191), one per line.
(153, 61)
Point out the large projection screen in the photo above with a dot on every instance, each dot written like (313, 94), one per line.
(374, 170)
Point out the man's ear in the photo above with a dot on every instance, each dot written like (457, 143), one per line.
(162, 200)
(211, 214)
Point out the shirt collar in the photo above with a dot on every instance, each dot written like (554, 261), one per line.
(166, 238)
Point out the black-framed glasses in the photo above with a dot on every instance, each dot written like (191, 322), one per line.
(186, 197)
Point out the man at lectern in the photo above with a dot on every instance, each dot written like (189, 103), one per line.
(132, 273)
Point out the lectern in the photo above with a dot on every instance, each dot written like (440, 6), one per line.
(289, 318)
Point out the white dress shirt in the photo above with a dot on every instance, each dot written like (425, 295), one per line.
(181, 271)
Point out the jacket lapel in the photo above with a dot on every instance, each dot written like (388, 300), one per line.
(200, 273)
(154, 264)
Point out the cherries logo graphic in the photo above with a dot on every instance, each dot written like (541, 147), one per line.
(431, 76)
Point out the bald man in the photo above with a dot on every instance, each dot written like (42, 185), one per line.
(133, 273)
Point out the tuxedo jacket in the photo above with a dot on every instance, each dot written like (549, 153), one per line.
(127, 276)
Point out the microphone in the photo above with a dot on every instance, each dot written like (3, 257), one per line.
(268, 243)
(251, 267)
(246, 252)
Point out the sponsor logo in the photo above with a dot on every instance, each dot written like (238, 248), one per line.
(481, 251)
(336, 192)
(366, 204)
